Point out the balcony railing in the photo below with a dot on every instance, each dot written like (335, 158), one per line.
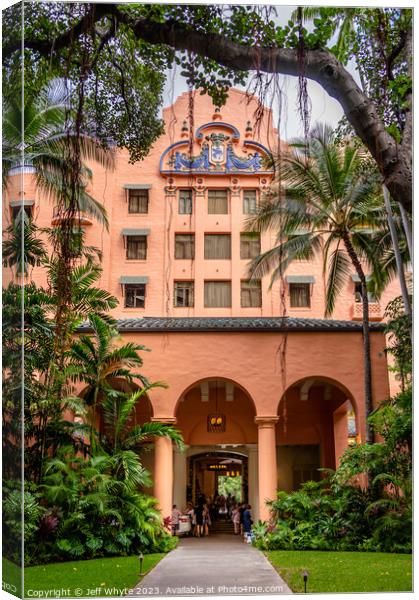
(80, 218)
(375, 311)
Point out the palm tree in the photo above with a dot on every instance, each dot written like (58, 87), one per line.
(97, 360)
(47, 140)
(335, 203)
(23, 253)
(123, 440)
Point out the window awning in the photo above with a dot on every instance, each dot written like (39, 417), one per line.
(132, 279)
(357, 279)
(129, 232)
(137, 186)
(17, 203)
(300, 279)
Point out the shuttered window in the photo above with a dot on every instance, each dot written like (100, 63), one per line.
(217, 202)
(184, 293)
(249, 245)
(137, 247)
(250, 294)
(185, 202)
(249, 202)
(217, 246)
(184, 246)
(138, 201)
(217, 294)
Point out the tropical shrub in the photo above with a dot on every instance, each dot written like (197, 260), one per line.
(81, 510)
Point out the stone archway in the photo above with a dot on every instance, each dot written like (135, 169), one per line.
(317, 421)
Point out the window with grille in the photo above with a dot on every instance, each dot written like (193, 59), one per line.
(135, 295)
(217, 202)
(217, 294)
(217, 246)
(250, 294)
(184, 246)
(184, 293)
(138, 201)
(249, 245)
(249, 202)
(185, 202)
(300, 295)
(136, 247)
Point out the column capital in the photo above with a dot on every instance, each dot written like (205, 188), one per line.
(266, 421)
(165, 420)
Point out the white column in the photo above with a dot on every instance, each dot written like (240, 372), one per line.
(179, 477)
(253, 476)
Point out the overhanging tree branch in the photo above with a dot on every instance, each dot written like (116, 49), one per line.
(320, 65)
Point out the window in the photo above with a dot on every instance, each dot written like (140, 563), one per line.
(358, 294)
(217, 294)
(249, 202)
(138, 201)
(300, 295)
(250, 294)
(135, 295)
(184, 245)
(249, 245)
(136, 247)
(184, 293)
(16, 212)
(217, 202)
(185, 202)
(217, 246)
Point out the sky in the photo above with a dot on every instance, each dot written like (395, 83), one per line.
(324, 109)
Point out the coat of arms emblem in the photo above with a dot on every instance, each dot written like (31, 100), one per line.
(217, 148)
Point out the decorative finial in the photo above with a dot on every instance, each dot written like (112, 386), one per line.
(249, 129)
(217, 114)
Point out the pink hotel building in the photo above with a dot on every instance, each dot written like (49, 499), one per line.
(258, 382)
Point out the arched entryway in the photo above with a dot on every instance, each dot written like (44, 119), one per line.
(217, 419)
(317, 422)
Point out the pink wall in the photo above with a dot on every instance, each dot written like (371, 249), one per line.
(164, 221)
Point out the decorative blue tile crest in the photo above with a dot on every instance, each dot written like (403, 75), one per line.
(217, 155)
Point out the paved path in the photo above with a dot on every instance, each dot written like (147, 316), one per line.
(217, 565)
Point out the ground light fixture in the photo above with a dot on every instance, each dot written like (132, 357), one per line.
(141, 558)
(305, 575)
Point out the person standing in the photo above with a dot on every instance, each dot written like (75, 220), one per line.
(199, 519)
(206, 519)
(175, 519)
(247, 520)
(235, 517)
(241, 511)
(191, 512)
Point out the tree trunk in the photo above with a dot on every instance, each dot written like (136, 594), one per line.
(407, 230)
(369, 435)
(399, 262)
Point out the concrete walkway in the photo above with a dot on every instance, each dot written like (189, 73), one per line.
(217, 565)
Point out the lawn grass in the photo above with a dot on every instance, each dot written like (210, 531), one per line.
(344, 571)
(11, 577)
(97, 577)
